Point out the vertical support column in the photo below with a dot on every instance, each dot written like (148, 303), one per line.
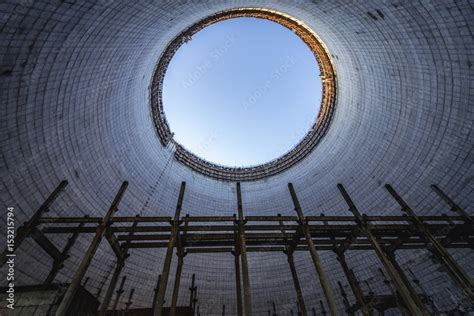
(118, 269)
(192, 297)
(174, 300)
(110, 290)
(289, 250)
(155, 293)
(119, 293)
(296, 282)
(195, 300)
(25, 230)
(243, 255)
(344, 299)
(129, 302)
(76, 280)
(454, 207)
(181, 253)
(238, 285)
(354, 284)
(58, 264)
(314, 255)
(394, 275)
(191, 289)
(160, 296)
(460, 277)
(391, 257)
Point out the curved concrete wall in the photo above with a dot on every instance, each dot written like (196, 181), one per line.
(75, 105)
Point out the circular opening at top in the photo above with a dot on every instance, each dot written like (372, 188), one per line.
(241, 99)
(242, 92)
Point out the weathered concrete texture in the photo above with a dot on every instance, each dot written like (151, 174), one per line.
(74, 83)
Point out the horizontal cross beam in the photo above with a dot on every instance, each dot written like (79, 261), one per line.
(230, 219)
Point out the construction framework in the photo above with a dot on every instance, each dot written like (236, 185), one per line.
(239, 234)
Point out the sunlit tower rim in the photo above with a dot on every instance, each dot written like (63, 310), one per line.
(293, 156)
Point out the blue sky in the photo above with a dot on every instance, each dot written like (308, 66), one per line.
(242, 92)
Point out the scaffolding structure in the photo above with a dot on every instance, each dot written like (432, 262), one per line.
(239, 234)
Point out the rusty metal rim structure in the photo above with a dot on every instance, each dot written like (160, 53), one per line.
(297, 153)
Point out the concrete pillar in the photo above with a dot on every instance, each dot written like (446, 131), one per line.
(160, 296)
(454, 206)
(192, 289)
(195, 300)
(110, 289)
(84, 265)
(414, 294)
(328, 293)
(155, 293)
(238, 286)
(296, 282)
(177, 280)
(115, 276)
(129, 302)
(243, 256)
(354, 284)
(344, 298)
(393, 273)
(457, 273)
(119, 293)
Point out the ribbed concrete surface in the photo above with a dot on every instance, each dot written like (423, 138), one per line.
(75, 105)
